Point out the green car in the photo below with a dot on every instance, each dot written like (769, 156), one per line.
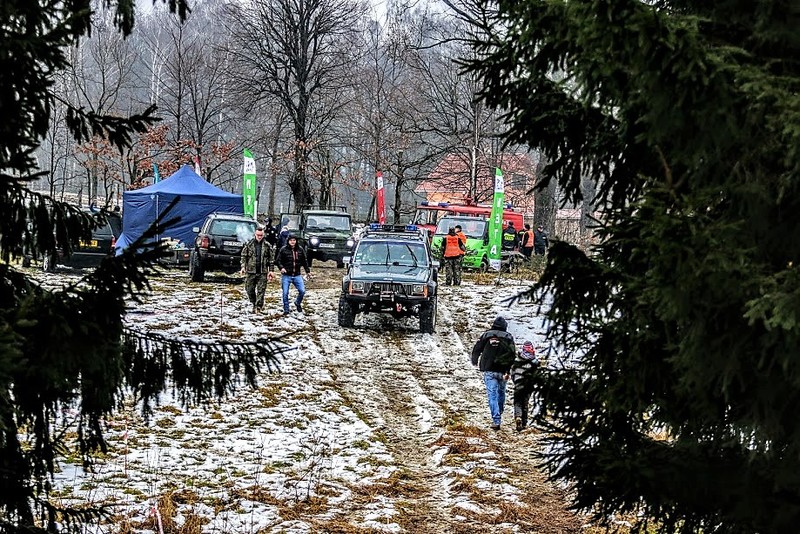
(477, 231)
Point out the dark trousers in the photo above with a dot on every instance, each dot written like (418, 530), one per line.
(526, 251)
(452, 270)
(539, 250)
(522, 397)
(255, 285)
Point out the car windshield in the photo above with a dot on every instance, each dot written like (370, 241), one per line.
(392, 253)
(291, 221)
(473, 227)
(242, 230)
(328, 222)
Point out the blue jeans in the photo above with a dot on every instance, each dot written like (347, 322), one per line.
(296, 281)
(496, 392)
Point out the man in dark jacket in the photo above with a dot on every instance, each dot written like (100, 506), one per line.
(256, 266)
(493, 354)
(291, 260)
(540, 241)
(271, 233)
(509, 237)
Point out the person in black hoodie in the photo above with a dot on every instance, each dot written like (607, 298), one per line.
(494, 353)
(291, 261)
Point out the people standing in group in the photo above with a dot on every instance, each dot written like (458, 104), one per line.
(509, 237)
(256, 261)
(291, 262)
(526, 242)
(523, 371)
(540, 241)
(452, 253)
(494, 353)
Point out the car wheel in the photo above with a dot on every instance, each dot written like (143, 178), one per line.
(26, 261)
(427, 316)
(196, 272)
(346, 315)
(310, 260)
(339, 264)
(484, 267)
(49, 263)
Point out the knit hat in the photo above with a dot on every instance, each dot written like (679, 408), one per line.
(528, 352)
(500, 323)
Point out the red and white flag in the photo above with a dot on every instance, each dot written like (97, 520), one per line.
(197, 164)
(380, 200)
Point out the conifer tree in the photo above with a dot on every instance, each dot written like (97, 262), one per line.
(679, 403)
(69, 347)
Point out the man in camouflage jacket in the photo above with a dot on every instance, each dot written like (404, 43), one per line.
(257, 268)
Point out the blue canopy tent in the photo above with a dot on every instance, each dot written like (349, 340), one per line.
(140, 208)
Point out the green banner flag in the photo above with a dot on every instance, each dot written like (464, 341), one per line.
(496, 222)
(249, 186)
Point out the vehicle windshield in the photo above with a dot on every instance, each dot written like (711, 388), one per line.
(392, 253)
(291, 221)
(328, 222)
(242, 230)
(473, 227)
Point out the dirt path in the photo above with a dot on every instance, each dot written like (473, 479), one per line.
(422, 394)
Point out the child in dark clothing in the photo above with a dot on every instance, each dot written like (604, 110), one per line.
(522, 370)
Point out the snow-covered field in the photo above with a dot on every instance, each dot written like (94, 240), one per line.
(377, 428)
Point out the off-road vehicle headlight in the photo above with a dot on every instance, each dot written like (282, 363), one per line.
(314, 241)
(356, 287)
(419, 289)
(350, 243)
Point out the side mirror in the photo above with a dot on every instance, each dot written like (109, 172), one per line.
(196, 229)
(435, 264)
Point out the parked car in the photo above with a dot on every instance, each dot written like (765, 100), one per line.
(218, 245)
(391, 271)
(88, 253)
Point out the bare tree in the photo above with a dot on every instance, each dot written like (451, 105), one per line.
(297, 52)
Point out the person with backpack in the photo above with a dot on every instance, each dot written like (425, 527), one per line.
(523, 370)
(493, 354)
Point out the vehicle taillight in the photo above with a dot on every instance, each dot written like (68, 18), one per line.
(204, 242)
(113, 242)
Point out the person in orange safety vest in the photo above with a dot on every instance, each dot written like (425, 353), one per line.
(453, 250)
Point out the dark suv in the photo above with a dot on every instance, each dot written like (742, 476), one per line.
(391, 271)
(88, 253)
(218, 245)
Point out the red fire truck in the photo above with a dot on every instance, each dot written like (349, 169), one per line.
(428, 214)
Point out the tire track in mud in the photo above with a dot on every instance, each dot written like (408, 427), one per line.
(421, 394)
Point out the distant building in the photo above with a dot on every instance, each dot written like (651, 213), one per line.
(449, 181)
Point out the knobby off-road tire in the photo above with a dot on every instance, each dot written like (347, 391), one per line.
(427, 316)
(347, 314)
(196, 272)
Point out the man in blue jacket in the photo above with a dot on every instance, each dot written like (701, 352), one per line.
(493, 354)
